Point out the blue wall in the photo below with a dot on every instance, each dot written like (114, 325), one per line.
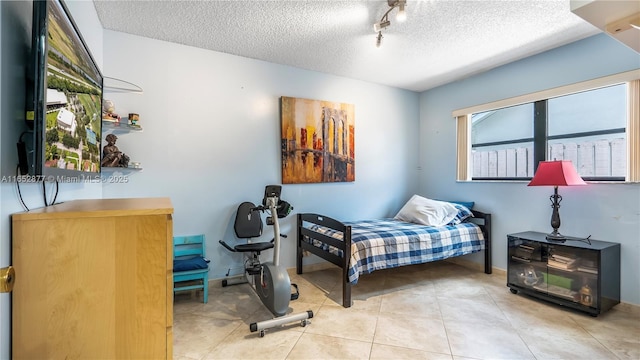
(211, 140)
(606, 211)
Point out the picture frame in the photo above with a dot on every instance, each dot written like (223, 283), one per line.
(318, 141)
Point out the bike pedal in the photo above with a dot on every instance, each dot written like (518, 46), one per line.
(295, 295)
(254, 271)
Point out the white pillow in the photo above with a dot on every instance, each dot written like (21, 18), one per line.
(425, 211)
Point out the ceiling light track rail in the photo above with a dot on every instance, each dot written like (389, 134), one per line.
(384, 20)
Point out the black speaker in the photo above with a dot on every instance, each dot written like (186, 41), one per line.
(23, 163)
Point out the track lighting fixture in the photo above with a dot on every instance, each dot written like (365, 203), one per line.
(379, 39)
(384, 21)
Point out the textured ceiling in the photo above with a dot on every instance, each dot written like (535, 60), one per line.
(441, 40)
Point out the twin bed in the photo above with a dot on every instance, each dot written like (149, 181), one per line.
(361, 247)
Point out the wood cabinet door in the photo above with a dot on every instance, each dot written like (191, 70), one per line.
(63, 303)
(92, 287)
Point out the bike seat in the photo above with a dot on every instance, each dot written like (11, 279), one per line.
(253, 247)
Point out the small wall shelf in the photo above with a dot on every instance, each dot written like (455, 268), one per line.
(122, 125)
(114, 169)
(111, 84)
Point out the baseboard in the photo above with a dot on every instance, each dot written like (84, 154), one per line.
(312, 267)
(628, 308)
(623, 306)
(218, 282)
(476, 266)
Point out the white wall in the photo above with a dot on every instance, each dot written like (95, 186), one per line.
(211, 139)
(15, 42)
(605, 211)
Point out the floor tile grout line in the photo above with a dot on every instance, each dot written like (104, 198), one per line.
(446, 333)
(594, 337)
(375, 329)
(490, 286)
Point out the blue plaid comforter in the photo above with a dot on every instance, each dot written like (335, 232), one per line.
(388, 243)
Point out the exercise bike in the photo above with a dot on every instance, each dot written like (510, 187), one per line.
(269, 280)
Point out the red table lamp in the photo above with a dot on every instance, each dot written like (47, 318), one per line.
(556, 173)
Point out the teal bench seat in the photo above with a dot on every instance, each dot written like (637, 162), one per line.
(190, 267)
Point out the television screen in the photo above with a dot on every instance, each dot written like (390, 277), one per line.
(67, 97)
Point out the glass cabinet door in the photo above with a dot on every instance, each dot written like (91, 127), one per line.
(527, 263)
(573, 274)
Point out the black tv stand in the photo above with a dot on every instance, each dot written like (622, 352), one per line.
(581, 275)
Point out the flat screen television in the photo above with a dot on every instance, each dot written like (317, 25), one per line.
(64, 99)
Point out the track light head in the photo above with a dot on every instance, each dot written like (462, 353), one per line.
(401, 16)
(377, 27)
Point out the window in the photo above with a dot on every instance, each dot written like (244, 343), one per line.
(502, 143)
(591, 126)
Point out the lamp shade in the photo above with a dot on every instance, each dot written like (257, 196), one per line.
(556, 173)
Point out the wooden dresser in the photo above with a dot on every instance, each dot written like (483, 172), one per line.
(94, 280)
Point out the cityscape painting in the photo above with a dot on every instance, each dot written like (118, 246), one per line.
(318, 140)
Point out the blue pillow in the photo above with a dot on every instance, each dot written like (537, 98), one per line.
(194, 263)
(467, 204)
(463, 214)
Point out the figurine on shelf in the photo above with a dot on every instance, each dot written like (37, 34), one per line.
(133, 119)
(586, 295)
(111, 155)
(108, 111)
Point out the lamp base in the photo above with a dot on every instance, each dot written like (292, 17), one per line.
(555, 217)
(556, 236)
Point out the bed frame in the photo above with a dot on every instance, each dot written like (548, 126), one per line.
(480, 218)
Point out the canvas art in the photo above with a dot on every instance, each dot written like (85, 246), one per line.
(317, 141)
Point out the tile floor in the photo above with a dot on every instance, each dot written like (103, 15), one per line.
(432, 311)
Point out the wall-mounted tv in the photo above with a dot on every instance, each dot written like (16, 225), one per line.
(64, 98)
